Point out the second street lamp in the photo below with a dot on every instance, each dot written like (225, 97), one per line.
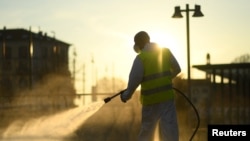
(177, 14)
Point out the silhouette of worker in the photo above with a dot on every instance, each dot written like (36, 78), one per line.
(154, 68)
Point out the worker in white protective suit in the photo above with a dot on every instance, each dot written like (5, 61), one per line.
(154, 68)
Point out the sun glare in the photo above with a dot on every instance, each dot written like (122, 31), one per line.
(164, 40)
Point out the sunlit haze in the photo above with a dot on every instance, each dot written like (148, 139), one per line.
(101, 31)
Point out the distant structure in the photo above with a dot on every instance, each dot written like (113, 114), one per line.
(26, 57)
(227, 91)
(208, 76)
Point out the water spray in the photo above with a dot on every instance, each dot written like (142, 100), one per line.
(64, 124)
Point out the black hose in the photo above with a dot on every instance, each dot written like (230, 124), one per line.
(106, 100)
(195, 110)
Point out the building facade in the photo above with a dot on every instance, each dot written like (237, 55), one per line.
(26, 57)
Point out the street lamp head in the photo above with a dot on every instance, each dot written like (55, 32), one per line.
(177, 12)
(197, 11)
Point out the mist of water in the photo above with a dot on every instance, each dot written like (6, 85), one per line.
(50, 128)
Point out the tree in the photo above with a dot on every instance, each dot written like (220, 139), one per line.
(245, 58)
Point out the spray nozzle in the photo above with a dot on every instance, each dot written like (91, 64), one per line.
(106, 100)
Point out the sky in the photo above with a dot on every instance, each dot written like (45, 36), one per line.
(101, 31)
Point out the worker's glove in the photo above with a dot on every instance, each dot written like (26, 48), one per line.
(123, 96)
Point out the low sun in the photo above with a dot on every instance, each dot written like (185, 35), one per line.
(165, 40)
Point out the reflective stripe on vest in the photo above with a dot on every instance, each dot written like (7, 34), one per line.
(156, 75)
(156, 86)
(158, 89)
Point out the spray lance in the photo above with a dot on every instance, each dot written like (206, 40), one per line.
(106, 100)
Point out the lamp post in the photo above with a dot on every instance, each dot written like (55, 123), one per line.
(177, 14)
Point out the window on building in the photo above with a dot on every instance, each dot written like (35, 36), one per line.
(8, 52)
(23, 52)
(1, 51)
(7, 64)
(45, 52)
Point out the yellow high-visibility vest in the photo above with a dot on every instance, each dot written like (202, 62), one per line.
(156, 86)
